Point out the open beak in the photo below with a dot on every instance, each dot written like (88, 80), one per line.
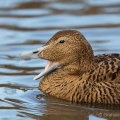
(34, 55)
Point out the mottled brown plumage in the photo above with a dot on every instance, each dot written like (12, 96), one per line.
(80, 76)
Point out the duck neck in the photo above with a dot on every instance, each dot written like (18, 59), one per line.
(79, 68)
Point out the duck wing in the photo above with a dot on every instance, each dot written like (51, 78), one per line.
(104, 80)
(107, 69)
(102, 57)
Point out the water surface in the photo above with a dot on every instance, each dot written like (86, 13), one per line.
(28, 24)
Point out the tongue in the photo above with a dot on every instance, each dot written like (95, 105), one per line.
(49, 64)
(49, 67)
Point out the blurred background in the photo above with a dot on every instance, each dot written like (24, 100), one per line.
(28, 24)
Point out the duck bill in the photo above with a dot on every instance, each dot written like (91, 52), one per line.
(34, 55)
(48, 69)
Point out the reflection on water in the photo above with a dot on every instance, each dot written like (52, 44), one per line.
(27, 25)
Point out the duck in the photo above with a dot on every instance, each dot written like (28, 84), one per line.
(73, 73)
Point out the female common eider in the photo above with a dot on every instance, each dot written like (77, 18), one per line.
(73, 72)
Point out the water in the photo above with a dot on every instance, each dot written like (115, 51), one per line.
(28, 24)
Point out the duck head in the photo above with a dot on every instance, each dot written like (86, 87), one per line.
(67, 49)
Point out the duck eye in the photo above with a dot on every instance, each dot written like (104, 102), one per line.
(62, 41)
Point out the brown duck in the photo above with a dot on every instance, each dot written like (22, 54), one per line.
(73, 72)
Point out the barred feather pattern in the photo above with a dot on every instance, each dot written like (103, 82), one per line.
(99, 85)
